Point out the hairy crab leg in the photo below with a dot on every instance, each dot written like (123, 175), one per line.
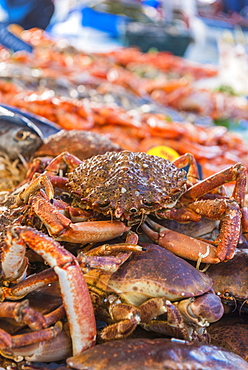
(180, 244)
(69, 159)
(74, 290)
(43, 180)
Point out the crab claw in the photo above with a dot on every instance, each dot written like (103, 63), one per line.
(74, 290)
(180, 244)
(206, 308)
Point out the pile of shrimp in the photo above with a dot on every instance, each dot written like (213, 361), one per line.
(160, 77)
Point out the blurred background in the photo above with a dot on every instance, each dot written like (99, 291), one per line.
(190, 28)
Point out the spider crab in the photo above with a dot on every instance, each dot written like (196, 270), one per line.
(127, 187)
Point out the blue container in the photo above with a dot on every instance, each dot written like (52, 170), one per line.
(102, 21)
(153, 3)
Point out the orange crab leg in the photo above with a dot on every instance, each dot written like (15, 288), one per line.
(69, 159)
(74, 291)
(56, 349)
(14, 263)
(62, 228)
(237, 173)
(36, 336)
(21, 312)
(55, 315)
(98, 257)
(228, 211)
(182, 245)
(31, 283)
(188, 159)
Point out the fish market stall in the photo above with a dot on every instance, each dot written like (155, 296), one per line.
(129, 188)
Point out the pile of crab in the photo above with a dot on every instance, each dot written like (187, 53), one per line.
(101, 257)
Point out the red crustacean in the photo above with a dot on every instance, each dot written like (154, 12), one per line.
(129, 186)
(145, 75)
(74, 291)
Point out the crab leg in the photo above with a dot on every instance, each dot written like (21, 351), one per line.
(36, 336)
(62, 228)
(45, 345)
(237, 173)
(188, 159)
(74, 291)
(13, 261)
(88, 260)
(69, 159)
(56, 349)
(21, 312)
(182, 245)
(31, 283)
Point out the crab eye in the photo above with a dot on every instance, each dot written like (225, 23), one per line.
(104, 204)
(133, 210)
(228, 294)
(21, 135)
(146, 203)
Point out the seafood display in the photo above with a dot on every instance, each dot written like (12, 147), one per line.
(112, 257)
(52, 230)
(138, 100)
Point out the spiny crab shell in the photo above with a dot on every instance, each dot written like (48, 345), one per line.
(126, 185)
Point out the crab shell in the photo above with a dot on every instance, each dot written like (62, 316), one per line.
(155, 272)
(126, 185)
(82, 144)
(156, 354)
(230, 278)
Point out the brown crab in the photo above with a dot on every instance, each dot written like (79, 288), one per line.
(230, 332)
(159, 354)
(150, 287)
(230, 281)
(157, 290)
(83, 144)
(127, 186)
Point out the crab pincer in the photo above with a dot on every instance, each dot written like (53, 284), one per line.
(182, 245)
(74, 291)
